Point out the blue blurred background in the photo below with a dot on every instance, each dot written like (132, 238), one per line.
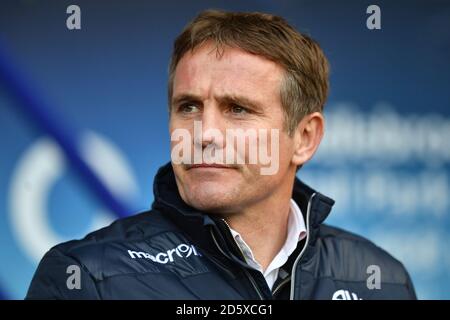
(100, 96)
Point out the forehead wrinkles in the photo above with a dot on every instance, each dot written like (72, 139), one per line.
(203, 70)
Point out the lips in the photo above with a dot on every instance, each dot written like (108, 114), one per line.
(208, 166)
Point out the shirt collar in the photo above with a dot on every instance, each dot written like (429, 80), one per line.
(296, 232)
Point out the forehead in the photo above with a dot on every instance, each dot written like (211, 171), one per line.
(235, 71)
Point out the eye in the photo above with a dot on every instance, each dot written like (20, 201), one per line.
(236, 109)
(188, 108)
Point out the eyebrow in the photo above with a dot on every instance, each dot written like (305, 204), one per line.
(185, 97)
(227, 99)
(241, 100)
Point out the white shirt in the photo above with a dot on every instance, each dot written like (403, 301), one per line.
(296, 232)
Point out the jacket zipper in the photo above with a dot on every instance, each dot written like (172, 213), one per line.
(237, 245)
(308, 212)
(249, 276)
(281, 285)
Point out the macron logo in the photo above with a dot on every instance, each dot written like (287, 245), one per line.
(345, 295)
(182, 251)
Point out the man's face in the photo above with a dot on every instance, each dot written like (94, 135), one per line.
(237, 90)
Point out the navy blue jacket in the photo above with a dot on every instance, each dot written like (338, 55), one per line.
(174, 251)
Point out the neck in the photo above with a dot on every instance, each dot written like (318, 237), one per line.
(264, 225)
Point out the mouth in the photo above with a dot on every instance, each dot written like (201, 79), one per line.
(208, 166)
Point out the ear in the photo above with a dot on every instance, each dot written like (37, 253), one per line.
(307, 137)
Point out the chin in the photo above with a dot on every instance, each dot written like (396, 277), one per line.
(210, 197)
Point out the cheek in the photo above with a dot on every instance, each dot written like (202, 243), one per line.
(286, 147)
(180, 131)
(281, 153)
(286, 153)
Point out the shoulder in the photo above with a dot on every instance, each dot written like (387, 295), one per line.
(359, 255)
(133, 228)
(102, 252)
(111, 251)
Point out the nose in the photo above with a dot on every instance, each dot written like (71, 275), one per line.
(212, 127)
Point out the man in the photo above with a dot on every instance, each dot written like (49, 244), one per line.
(230, 220)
